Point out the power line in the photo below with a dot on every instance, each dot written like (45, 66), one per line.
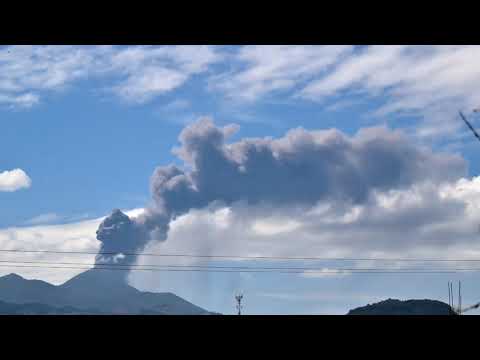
(469, 125)
(154, 266)
(251, 270)
(252, 257)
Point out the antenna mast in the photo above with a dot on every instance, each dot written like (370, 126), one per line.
(239, 298)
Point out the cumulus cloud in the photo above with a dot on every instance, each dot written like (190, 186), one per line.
(421, 221)
(79, 236)
(13, 180)
(416, 222)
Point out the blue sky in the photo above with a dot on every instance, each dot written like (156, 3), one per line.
(88, 125)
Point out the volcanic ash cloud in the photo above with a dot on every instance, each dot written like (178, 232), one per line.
(302, 168)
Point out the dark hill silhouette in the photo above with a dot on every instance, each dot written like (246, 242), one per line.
(406, 307)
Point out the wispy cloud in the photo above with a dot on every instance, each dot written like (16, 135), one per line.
(261, 70)
(135, 73)
(429, 82)
(176, 105)
(47, 218)
(150, 71)
(28, 71)
(179, 112)
(432, 82)
(319, 296)
(54, 218)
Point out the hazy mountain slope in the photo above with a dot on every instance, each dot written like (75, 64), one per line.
(95, 291)
(107, 290)
(41, 309)
(15, 289)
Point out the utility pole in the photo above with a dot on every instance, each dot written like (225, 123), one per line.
(459, 310)
(449, 296)
(451, 301)
(459, 297)
(239, 298)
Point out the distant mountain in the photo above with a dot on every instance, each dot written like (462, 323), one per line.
(407, 307)
(94, 291)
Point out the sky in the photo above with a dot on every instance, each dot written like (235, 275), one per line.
(324, 151)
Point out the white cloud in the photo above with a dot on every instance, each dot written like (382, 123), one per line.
(14, 180)
(266, 69)
(134, 212)
(76, 236)
(420, 221)
(25, 100)
(44, 219)
(135, 73)
(176, 105)
(320, 296)
(25, 71)
(148, 83)
(149, 71)
(423, 221)
(274, 226)
(433, 82)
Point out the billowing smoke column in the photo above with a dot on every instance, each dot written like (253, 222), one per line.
(118, 234)
(302, 168)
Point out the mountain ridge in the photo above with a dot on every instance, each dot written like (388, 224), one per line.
(94, 291)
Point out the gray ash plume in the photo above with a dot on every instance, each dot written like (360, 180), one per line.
(301, 168)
